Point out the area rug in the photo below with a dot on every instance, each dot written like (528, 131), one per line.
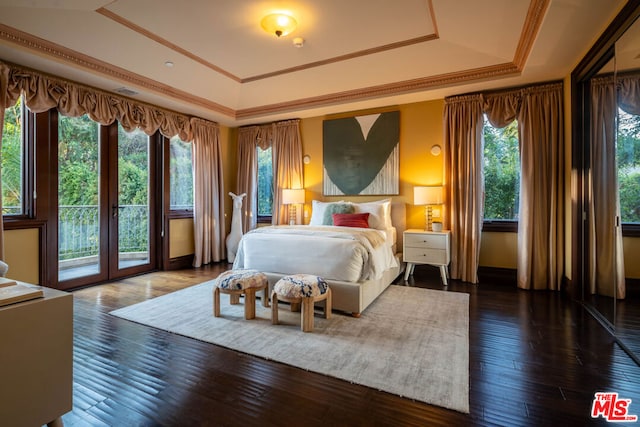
(411, 342)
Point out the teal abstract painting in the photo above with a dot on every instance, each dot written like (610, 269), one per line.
(361, 155)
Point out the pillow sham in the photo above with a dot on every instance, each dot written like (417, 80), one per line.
(317, 211)
(379, 213)
(351, 220)
(336, 208)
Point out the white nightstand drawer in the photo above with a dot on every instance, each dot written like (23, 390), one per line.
(425, 255)
(432, 241)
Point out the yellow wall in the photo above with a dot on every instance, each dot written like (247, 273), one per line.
(228, 139)
(181, 237)
(499, 250)
(420, 129)
(631, 255)
(22, 253)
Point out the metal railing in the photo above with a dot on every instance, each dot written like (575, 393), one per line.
(79, 230)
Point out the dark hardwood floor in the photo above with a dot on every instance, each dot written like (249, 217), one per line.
(536, 358)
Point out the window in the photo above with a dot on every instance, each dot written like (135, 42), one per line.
(265, 185)
(180, 175)
(13, 155)
(501, 173)
(628, 163)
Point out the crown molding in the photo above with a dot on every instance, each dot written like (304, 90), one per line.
(86, 62)
(406, 86)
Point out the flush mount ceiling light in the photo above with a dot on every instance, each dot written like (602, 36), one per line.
(279, 24)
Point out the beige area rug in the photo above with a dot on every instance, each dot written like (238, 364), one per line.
(411, 342)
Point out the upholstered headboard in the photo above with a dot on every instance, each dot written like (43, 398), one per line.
(399, 221)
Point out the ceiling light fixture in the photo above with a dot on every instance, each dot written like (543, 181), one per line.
(279, 24)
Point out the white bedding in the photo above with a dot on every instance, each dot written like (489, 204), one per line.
(335, 253)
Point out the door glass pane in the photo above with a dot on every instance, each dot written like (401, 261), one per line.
(78, 195)
(133, 198)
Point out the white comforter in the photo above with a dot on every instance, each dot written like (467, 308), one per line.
(335, 253)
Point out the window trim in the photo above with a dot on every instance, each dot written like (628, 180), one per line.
(500, 226)
(264, 219)
(630, 229)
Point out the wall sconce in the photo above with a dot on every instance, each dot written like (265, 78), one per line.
(436, 150)
(292, 197)
(427, 196)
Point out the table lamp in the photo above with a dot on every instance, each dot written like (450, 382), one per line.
(292, 197)
(427, 196)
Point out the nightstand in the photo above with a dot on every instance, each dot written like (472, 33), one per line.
(426, 247)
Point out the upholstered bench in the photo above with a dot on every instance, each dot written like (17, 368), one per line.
(241, 282)
(305, 289)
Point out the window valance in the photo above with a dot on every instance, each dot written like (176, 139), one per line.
(42, 92)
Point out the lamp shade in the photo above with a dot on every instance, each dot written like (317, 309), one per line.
(292, 196)
(427, 195)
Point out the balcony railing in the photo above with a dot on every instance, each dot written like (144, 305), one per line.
(79, 230)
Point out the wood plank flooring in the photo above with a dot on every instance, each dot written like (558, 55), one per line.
(536, 358)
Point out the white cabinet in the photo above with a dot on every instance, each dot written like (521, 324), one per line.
(36, 360)
(426, 247)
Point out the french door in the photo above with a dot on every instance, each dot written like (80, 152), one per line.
(106, 225)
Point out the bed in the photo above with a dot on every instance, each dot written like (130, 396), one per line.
(358, 263)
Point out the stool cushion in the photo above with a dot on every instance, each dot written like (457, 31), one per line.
(237, 280)
(300, 285)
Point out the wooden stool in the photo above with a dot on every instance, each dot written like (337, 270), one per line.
(241, 282)
(305, 289)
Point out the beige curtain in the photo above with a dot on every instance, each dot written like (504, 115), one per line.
(539, 112)
(42, 92)
(286, 152)
(209, 226)
(606, 273)
(541, 221)
(247, 174)
(463, 123)
(287, 165)
(629, 93)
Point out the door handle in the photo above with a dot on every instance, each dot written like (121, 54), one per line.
(114, 211)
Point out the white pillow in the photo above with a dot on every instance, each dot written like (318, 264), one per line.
(379, 213)
(317, 211)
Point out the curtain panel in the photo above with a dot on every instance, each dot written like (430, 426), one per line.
(42, 92)
(629, 93)
(542, 186)
(247, 175)
(539, 111)
(287, 165)
(286, 152)
(463, 123)
(209, 226)
(606, 261)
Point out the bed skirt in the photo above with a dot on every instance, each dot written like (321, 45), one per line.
(353, 297)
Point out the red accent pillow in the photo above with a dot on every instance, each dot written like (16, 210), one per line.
(351, 220)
